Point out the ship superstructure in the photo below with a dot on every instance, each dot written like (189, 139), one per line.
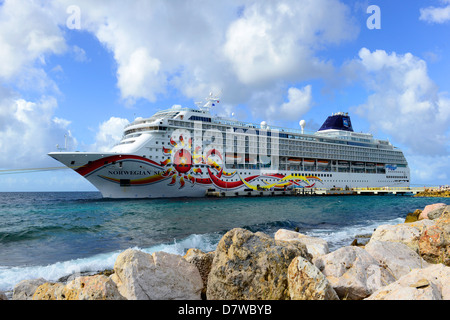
(183, 152)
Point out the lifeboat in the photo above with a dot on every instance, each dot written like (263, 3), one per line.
(233, 158)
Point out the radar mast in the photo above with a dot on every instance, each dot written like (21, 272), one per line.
(211, 101)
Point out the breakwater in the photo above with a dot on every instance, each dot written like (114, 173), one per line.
(402, 261)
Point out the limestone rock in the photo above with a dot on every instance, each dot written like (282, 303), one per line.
(432, 211)
(353, 272)
(50, 291)
(306, 282)
(396, 256)
(407, 233)
(98, 287)
(252, 266)
(25, 289)
(315, 246)
(159, 276)
(203, 262)
(434, 242)
(431, 283)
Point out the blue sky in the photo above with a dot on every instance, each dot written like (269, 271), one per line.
(87, 68)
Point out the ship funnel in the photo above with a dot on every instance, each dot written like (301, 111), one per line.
(302, 124)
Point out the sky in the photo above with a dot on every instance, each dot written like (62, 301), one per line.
(74, 73)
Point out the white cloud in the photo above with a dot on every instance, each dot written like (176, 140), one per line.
(429, 170)
(79, 54)
(28, 131)
(436, 15)
(278, 40)
(28, 33)
(404, 102)
(299, 102)
(237, 46)
(109, 133)
(140, 73)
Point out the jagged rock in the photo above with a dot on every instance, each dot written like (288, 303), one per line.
(396, 256)
(203, 262)
(431, 283)
(306, 282)
(25, 289)
(3, 296)
(413, 216)
(434, 242)
(50, 291)
(252, 266)
(98, 287)
(315, 246)
(159, 276)
(432, 211)
(353, 272)
(438, 212)
(407, 233)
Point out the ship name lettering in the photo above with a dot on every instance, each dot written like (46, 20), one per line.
(130, 172)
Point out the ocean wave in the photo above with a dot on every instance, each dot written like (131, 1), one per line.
(335, 236)
(343, 236)
(10, 276)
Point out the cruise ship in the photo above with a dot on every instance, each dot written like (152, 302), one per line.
(189, 152)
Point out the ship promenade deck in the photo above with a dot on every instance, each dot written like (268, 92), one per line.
(319, 192)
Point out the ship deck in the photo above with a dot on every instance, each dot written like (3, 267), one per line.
(319, 192)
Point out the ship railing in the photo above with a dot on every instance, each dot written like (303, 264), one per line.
(250, 125)
(372, 189)
(389, 189)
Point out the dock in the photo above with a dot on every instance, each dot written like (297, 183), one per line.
(317, 192)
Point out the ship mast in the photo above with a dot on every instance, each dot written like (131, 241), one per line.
(211, 101)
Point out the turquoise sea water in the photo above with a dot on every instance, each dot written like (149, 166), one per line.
(51, 235)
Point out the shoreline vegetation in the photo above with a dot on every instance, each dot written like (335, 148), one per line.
(408, 261)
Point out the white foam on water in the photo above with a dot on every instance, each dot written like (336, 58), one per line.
(10, 276)
(337, 238)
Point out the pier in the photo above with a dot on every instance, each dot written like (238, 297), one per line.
(317, 192)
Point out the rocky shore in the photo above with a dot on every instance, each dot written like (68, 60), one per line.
(441, 192)
(408, 261)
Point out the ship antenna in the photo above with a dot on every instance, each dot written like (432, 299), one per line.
(211, 101)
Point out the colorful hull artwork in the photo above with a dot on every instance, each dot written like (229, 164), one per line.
(183, 169)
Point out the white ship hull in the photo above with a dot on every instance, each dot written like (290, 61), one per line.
(130, 176)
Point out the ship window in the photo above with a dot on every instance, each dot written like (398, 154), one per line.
(196, 118)
(125, 182)
(72, 163)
